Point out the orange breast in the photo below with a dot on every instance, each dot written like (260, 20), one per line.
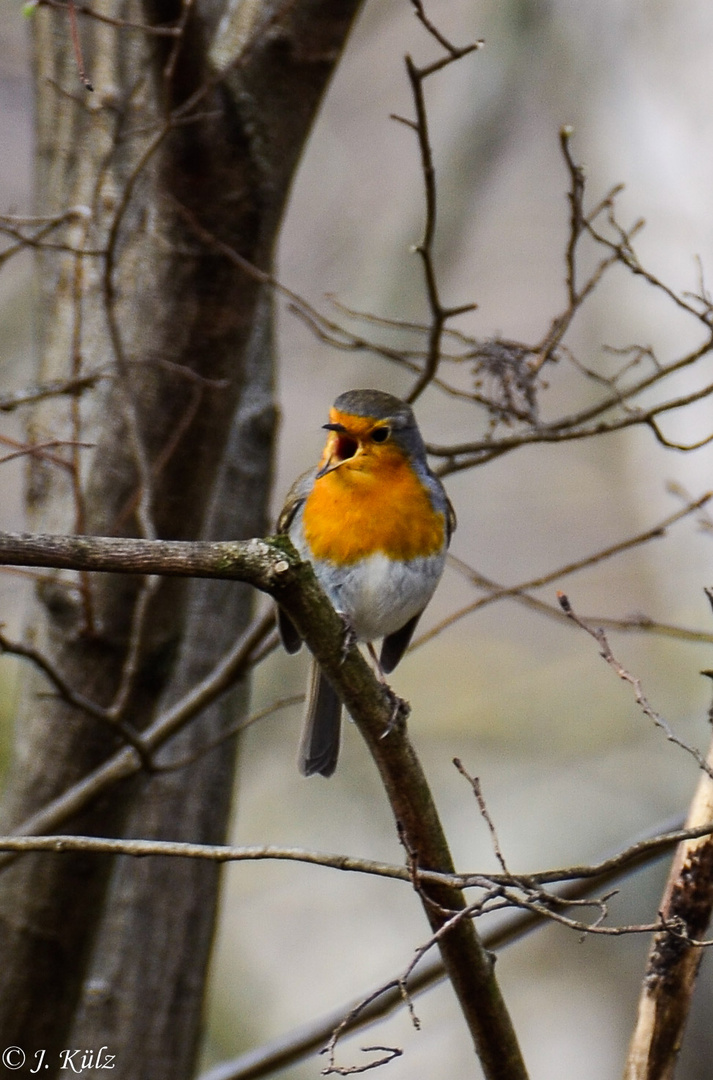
(374, 503)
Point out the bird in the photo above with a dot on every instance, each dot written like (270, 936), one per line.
(375, 523)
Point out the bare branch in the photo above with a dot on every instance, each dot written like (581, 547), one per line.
(484, 812)
(425, 249)
(78, 701)
(119, 24)
(273, 567)
(519, 592)
(60, 388)
(77, 46)
(388, 1053)
(233, 729)
(641, 700)
(674, 957)
(264, 1060)
(576, 196)
(127, 762)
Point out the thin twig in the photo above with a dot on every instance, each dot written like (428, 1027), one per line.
(77, 46)
(130, 667)
(474, 782)
(73, 387)
(236, 728)
(77, 701)
(128, 761)
(292, 1047)
(170, 65)
(641, 700)
(575, 196)
(425, 249)
(519, 592)
(119, 24)
(85, 586)
(38, 450)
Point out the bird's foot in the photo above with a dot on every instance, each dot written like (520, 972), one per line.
(349, 638)
(400, 711)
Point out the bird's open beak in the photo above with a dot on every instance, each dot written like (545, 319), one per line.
(340, 448)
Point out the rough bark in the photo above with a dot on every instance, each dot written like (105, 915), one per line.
(673, 963)
(183, 137)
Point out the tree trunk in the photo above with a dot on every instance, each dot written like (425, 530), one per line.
(185, 138)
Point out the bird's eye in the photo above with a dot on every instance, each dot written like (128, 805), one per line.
(380, 434)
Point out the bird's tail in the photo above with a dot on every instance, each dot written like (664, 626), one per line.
(319, 746)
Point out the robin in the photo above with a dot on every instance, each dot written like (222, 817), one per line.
(375, 524)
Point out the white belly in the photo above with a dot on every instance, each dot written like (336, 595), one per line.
(378, 596)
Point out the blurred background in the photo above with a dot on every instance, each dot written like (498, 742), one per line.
(570, 768)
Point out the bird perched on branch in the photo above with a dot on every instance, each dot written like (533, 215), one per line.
(375, 523)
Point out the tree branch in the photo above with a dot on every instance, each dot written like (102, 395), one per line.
(263, 1061)
(272, 566)
(674, 959)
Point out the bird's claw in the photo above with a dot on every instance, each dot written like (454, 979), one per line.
(400, 710)
(349, 638)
